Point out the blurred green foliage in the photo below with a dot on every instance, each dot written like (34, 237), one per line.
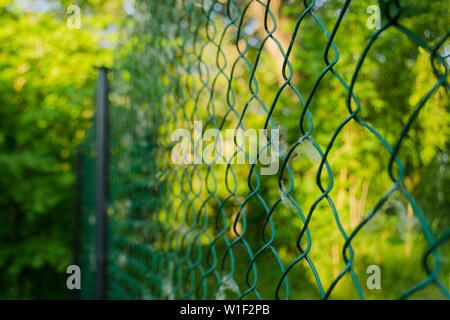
(47, 80)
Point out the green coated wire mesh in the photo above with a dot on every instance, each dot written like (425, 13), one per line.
(358, 92)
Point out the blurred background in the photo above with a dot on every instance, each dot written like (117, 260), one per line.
(47, 84)
(47, 91)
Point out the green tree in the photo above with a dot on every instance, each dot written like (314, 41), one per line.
(47, 80)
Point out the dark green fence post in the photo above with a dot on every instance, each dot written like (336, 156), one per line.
(101, 180)
(77, 214)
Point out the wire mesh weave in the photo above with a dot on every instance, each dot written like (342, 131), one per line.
(214, 231)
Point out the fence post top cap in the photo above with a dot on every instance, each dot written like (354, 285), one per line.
(102, 68)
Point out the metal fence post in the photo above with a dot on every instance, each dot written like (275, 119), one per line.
(101, 180)
(77, 214)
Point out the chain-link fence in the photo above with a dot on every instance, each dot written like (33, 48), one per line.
(353, 97)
